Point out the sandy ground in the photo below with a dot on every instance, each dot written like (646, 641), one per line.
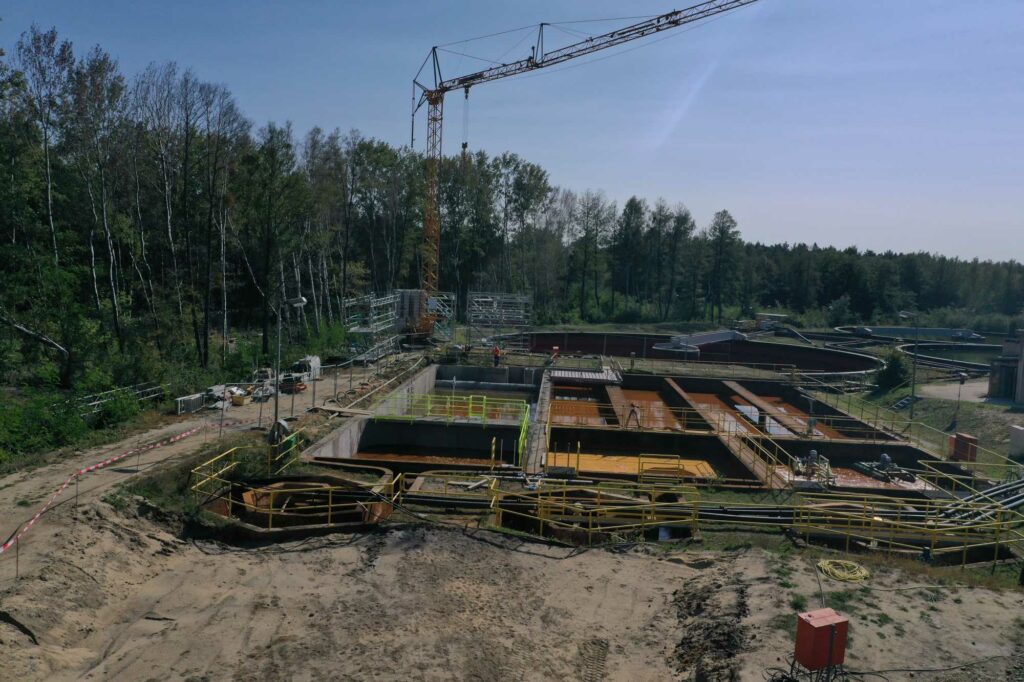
(24, 492)
(118, 595)
(974, 391)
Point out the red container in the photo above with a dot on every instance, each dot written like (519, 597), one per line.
(818, 633)
(965, 448)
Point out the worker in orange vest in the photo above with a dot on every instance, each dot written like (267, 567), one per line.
(497, 354)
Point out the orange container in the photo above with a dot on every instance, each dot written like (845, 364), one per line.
(965, 448)
(818, 633)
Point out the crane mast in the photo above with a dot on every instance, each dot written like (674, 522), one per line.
(432, 94)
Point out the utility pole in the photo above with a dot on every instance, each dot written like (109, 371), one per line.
(956, 414)
(906, 315)
(296, 302)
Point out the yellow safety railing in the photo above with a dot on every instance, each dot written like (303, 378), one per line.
(877, 521)
(408, 407)
(250, 460)
(225, 477)
(921, 435)
(895, 524)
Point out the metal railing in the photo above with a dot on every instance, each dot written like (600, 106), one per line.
(409, 407)
(925, 437)
(593, 513)
(708, 368)
(88, 405)
(210, 478)
(451, 409)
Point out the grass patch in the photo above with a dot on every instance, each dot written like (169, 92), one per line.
(849, 601)
(798, 602)
(168, 486)
(786, 622)
(990, 423)
(882, 619)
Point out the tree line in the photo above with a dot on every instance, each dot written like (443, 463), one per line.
(145, 222)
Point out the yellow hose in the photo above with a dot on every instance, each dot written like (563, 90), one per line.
(844, 571)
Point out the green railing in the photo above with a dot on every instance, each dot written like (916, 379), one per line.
(450, 409)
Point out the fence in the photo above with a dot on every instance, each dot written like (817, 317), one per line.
(213, 476)
(925, 437)
(593, 514)
(223, 478)
(707, 368)
(89, 405)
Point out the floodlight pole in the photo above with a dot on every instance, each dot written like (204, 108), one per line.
(296, 302)
(956, 415)
(917, 349)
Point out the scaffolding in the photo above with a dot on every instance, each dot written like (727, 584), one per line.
(441, 307)
(489, 313)
(372, 314)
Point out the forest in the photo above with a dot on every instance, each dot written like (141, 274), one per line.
(145, 222)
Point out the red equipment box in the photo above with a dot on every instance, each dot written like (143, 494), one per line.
(965, 447)
(818, 633)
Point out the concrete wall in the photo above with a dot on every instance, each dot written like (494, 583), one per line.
(501, 375)
(422, 384)
(437, 438)
(1019, 396)
(342, 443)
(1017, 441)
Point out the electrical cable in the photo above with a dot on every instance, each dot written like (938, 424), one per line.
(488, 35)
(464, 54)
(931, 670)
(617, 53)
(843, 571)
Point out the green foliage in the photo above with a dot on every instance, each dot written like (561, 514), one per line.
(37, 422)
(840, 312)
(895, 373)
(118, 409)
(145, 219)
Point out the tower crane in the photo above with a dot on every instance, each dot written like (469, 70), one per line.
(432, 94)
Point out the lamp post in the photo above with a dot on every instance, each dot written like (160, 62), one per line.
(908, 315)
(956, 415)
(296, 302)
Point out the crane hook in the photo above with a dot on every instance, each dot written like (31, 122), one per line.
(465, 121)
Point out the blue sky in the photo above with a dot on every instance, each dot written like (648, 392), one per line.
(880, 124)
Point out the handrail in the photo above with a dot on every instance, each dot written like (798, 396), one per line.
(921, 435)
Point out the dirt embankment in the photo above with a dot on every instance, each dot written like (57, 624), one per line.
(117, 595)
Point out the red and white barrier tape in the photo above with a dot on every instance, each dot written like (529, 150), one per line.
(93, 467)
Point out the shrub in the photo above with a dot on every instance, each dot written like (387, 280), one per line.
(894, 373)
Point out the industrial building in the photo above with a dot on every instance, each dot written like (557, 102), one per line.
(1006, 380)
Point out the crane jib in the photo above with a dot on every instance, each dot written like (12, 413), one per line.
(593, 44)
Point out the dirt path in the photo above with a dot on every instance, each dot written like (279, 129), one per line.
(22, 493)
(974, 391)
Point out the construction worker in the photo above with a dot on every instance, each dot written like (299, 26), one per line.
(634, 413)
(496, 352)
